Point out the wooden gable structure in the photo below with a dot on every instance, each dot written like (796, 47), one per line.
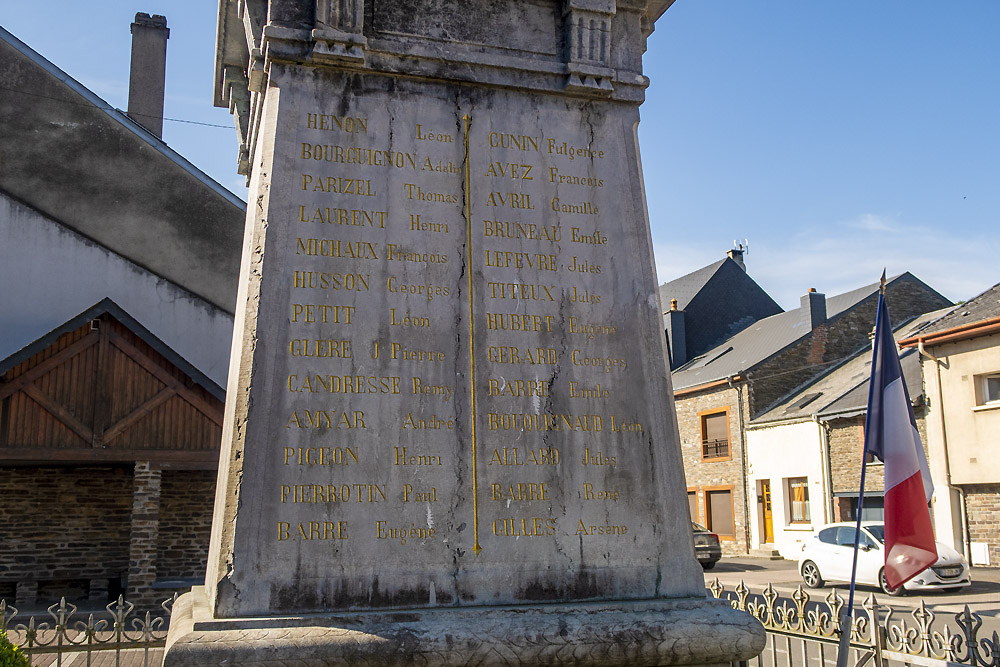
(102, 388)
(109, 442)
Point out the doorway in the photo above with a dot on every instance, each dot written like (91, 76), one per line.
(767, 521)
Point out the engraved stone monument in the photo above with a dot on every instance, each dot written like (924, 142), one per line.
(450, 436)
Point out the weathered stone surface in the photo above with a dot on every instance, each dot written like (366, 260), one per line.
(664, 632)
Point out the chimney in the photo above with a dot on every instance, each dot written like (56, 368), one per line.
(673, 324)
(148, 71)
(736, 254)
(813, 308)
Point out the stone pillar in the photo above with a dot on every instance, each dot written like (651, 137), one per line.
(145, 531)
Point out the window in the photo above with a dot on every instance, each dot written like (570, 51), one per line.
(988, 389)
(715, 436)
(719, 512)
(798, 499)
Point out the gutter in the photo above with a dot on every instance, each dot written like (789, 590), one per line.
(708, 385)
(971, 330)
(743, 460)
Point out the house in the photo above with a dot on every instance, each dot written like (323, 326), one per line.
(960, 360)
(719, 392)
(120, 261)
(711, 304)
(804, 454)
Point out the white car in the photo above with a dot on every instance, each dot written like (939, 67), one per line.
(827, 555)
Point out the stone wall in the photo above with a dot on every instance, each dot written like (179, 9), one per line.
(186, 500)
(846, 439)
(982, 504)
(833, 341)
(64, 526)
(707, 475)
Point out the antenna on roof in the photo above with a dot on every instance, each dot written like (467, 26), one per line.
(746, 246)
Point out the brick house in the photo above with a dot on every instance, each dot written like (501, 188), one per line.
(114, 346)
(719, 392)
(960, 363)
(804, 454)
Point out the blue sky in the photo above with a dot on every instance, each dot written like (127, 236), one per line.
(838, 137)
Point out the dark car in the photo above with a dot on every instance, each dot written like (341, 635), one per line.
(707, 549)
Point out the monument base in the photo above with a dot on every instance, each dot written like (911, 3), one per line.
(648, 632)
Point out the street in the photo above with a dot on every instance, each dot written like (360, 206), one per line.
(982, 597)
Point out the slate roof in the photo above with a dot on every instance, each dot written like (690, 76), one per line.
(844, 389)
(763, 339)
(985, 306)
(685, 288)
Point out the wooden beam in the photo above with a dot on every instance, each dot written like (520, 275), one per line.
(59, 412)
(71, 455)
(161, 374)
(41, 369)
(119, 427)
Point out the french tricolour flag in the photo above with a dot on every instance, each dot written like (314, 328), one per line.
(891, 435)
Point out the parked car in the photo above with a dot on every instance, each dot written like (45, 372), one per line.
(706, 546)
(826, 556)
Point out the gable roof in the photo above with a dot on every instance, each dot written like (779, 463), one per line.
(979, 315)
(765, 338)
(686, 288)
(71, 156)
(110, 307)
(843, 390)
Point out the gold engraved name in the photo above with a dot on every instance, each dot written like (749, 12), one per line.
(414, 532)
(349, 282)
(502, 354)
(336, 248)
(344, 384)
(521, 142)
(325, 419)
(443, 390)
(619, 426)
(312, 313)
(543, 422)
(503, 229)
(412, 496)
(414, 191)
(590, 493)
(556, 147)
(407, 320)
(577, 390)
(520, 260)
(398, 253)
(579, 358)
(344, 216)
(434, 423)
(362, 156)
(604, 529)
(418, 225)
(518, 322)
(304, 347)
(512, 456)
(312, 530)
(522, 291)
(361, 187)
(581, 207)
(323, 121)
(567, 179)
(397, 351)
(597, 458)
(583, 266)
(520, 492)
(332, 493)
(515, 527)
(583, 296)
(518, 200)
(518, 388)
(393, 286)
(594, 238)
(590, 329)
(510, 170)
(321, 456)
(440, 166)
(402, 458)
(431, 135)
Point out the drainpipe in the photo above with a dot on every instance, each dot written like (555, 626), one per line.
(743, 462)
(824, 447)
(966, 547)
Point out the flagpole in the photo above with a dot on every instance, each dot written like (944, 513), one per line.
(846, 614)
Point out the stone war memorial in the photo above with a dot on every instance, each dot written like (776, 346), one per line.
(449, 434)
